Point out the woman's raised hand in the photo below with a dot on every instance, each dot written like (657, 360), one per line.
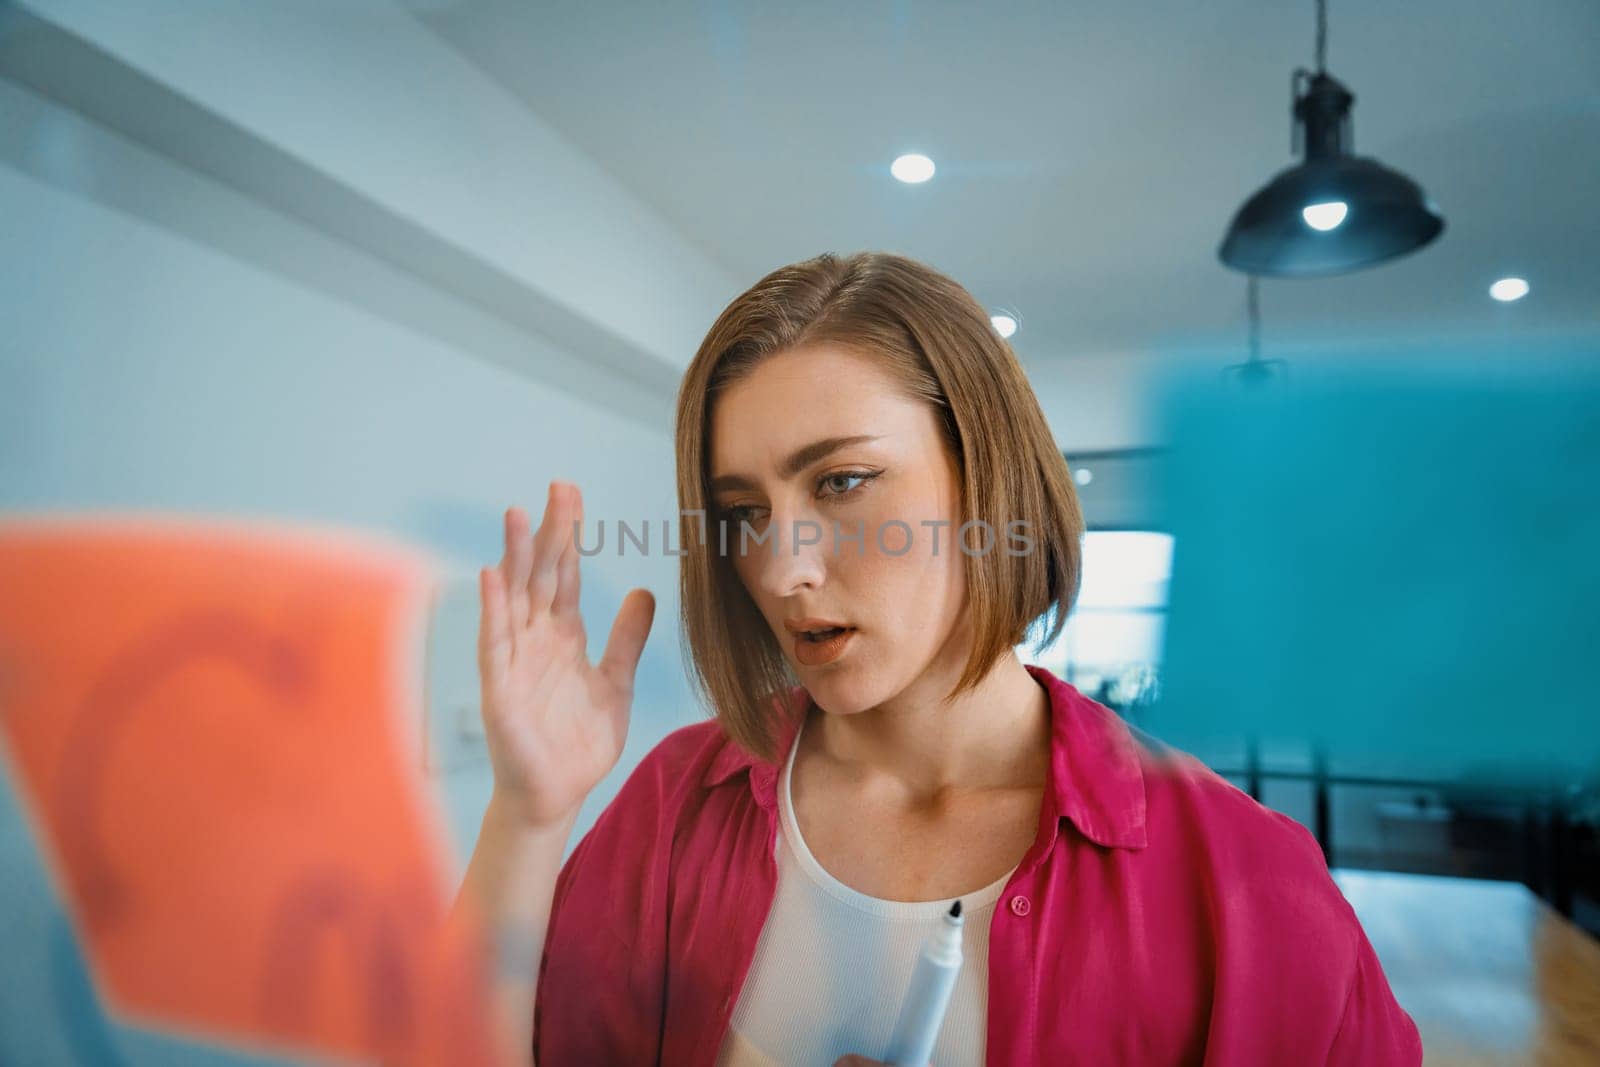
(554, 722)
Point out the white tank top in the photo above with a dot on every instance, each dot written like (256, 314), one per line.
(832, 965)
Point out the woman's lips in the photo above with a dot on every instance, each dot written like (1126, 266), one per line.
(816, 653)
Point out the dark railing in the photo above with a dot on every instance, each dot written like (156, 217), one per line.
(1550, 844)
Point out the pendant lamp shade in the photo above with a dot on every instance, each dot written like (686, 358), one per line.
(1360, 214)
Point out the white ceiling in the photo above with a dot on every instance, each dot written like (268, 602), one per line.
(1090, 155)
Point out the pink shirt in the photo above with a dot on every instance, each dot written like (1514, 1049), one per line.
(1160, 916)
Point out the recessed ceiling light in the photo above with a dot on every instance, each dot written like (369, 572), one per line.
(912, 169)
(1083, 475)
(1325, 216)
(1508, 289)
(1004, 325)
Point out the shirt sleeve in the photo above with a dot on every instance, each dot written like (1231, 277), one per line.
(563, 887)
(601, 989)
(1374, 1031)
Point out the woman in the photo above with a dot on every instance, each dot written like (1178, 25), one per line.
(758, 890)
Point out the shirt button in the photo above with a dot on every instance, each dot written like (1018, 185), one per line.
(1020, 905)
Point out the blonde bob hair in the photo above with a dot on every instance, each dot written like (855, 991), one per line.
(936, 340)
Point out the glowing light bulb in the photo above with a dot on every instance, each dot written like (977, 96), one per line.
(1325, 216)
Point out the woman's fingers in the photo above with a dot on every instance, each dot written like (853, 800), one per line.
(494, 629)
(516, 564)
(626, 641)
(555, 529)
(567, 580)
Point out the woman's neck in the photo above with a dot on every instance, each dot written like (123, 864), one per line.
(996, 736)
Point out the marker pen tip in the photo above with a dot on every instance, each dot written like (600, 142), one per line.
(955, 910)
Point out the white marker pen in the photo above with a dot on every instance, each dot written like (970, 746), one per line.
(922, 1012)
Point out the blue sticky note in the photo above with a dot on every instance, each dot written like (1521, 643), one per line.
(1396, 561)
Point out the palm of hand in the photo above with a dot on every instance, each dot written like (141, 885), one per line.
(555, 723)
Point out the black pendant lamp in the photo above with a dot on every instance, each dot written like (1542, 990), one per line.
(1333, 212)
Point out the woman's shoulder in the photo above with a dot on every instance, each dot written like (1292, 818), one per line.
(1187, 799)
(682, 748)
(1243, 851)
(672, 772)
(1278, 927)
(633, 832)
(1190, 801)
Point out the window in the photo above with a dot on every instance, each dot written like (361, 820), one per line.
(1111, 646)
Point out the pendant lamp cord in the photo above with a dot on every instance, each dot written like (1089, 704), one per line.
(1255, 371)
(1322, 36)
(1253, 302)
(1301, 78)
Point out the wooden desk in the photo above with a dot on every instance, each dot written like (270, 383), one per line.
(1490, 973)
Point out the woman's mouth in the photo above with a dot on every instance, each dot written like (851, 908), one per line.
(815, 647)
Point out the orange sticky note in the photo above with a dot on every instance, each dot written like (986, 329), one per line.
(216, 727)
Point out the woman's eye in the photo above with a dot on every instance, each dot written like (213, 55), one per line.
(834, 486)
(839, 484)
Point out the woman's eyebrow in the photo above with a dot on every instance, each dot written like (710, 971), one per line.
(797, 461)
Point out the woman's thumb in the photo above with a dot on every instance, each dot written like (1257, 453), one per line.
(626, 640)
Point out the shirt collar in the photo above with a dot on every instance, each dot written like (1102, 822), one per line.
(1095, 778)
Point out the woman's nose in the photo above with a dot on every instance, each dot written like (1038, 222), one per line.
(793, 557)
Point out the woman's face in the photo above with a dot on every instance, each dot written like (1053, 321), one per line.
(816, 439)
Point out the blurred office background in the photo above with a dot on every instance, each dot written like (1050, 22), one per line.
(395, 264)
